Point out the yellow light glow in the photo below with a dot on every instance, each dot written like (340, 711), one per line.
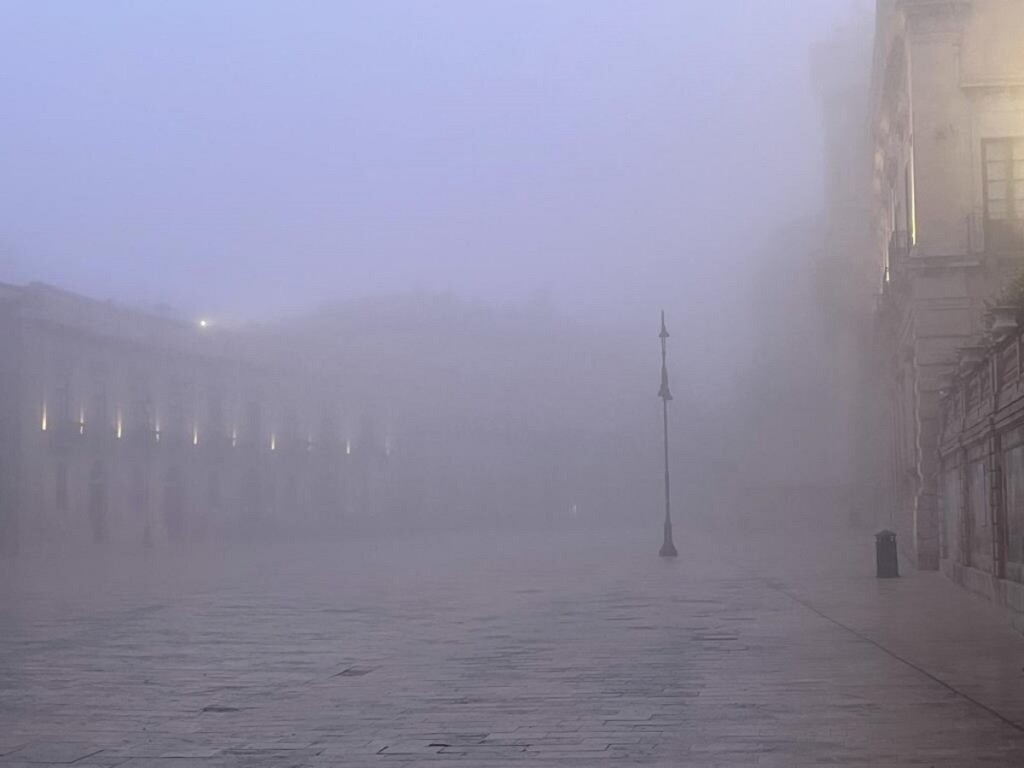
(43, 423)
(913, 204)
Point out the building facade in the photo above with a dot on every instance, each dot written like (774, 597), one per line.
(128, 428)
(948, 226)
(982, 471)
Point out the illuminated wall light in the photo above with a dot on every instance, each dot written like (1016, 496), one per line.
(120, 424)
(42, 423)
(234, 437)
(913, 201)
(348, 447)
(195, 435)
(273, 442)
(156, 430)
(81, 420)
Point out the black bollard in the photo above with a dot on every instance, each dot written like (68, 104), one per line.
(886, 559)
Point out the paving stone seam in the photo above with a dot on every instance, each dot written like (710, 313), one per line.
(781, 589)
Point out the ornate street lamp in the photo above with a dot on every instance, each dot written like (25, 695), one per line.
(668, 549)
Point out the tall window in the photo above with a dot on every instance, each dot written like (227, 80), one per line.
(62, 486)
(141, 414)
(215, 413)
(98, 415)
(253, 422)
(1004, 194)
(62, 400)
(175, 424)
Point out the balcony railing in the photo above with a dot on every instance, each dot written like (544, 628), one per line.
(985, 384)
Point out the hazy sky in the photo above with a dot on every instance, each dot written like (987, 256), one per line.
(256, 157)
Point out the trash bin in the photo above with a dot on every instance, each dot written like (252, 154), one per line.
(886, 560)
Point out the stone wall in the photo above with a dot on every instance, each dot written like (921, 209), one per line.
(940, 93)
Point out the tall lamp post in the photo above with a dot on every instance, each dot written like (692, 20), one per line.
(668, 549)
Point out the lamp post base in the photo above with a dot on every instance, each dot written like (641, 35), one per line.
(668, 549)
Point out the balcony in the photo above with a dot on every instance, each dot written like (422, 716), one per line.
(989, 381)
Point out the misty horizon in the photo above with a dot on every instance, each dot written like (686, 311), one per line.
(147, 167)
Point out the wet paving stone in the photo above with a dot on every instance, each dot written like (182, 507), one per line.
(552, 651)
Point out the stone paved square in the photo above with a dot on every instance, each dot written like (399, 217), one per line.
(566, 649)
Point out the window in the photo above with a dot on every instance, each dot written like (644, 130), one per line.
(62, 400)
(253, 422)
(1014, 468)
(1004, 194)
(98, 414)
(175, 423)
(979, 533)
(140, 417)
(289, 427)
(62, 486)
(215, 413)
(213, 492)
(950, 531)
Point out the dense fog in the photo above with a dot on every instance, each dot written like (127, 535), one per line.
(356, 357)
(472, 214)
